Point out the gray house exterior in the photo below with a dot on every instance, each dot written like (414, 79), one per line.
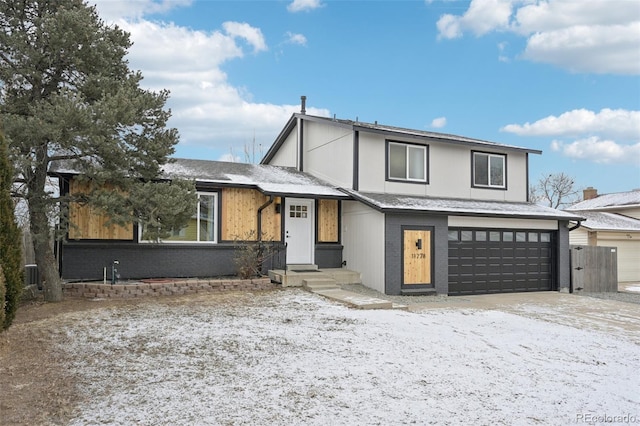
(430, 212)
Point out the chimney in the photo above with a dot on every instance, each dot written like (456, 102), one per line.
(303, 104)
(589, 193)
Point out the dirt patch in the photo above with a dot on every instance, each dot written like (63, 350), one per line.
(36, 390)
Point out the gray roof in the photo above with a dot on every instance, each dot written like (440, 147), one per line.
(389, 131)
(272, 180)
(452, 206)
(602, 221)
(610, 201)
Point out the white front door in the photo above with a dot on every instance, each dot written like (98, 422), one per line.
(298, 226)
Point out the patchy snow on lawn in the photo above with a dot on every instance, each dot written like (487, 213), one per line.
(633, 288)
(290, 357)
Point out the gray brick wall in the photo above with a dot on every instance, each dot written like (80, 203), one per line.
(86, 260)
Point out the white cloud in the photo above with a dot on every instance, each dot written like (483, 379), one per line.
(439, 122)
(482, 17)
(608, 136)
(252, 35)
(208, 111)
(116, 9)
(608, 123)
(298, 39)
(304, 5)
(597, 36)
(598, 150)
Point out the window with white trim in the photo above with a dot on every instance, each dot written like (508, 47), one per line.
(406, 162)
(202, 226)
(489, 170)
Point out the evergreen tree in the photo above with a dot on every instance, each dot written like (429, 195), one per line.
(69, 95)
(11, 268)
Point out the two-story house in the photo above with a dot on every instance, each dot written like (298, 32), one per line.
(612, 220)
(428, 212)
(414, 212)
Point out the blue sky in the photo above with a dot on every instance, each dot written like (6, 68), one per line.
(559, 76)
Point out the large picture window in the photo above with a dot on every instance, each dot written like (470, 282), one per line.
(407, 162)
(202, 225)
(489, 170)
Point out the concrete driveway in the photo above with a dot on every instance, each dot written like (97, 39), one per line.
(567, 309)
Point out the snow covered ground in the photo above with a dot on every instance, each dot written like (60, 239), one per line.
(293, 358)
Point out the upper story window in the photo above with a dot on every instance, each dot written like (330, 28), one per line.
(202, 225)
(406, 162)
(489, 170)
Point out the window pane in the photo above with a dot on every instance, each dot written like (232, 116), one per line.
(416, 162)
(494, 236)
(466, 235)
(533, 237)
(481, 169)
(497, 170)
(207, 226)
(507, 236)
(521, 236)
(397, 161)
(453, 235)
(545, 237)
(481, 235)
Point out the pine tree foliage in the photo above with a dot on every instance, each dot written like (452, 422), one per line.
(10, 243)
(68, 96)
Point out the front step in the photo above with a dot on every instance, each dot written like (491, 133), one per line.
(303, 267)
(355, 300)
(295, 278)
(322, 283)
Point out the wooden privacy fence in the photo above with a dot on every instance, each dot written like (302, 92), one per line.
(594, 269)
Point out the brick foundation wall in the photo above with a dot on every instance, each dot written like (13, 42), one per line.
(164, 288)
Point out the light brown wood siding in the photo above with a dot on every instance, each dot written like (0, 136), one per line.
(239, 215)
(88, 223)
(417, 257)
(328, 221)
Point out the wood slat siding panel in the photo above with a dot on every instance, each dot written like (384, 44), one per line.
(239, 215)
(328, 221)
(417, 261)
(594, 269)
(89, 224)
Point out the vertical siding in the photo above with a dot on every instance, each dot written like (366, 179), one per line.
(363, 240)
(239, 215)
(328, 221)
(87, 223)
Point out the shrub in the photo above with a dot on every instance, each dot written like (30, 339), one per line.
(250, 255)
(10, 241)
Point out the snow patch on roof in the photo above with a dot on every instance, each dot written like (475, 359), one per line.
(449, 205)
(605, 201)
(602, 221)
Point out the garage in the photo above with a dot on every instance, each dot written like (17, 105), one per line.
(483, 261)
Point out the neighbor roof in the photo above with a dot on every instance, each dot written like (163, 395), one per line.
(390, 131)
(610, 201)
(602, 221)
(453, 206)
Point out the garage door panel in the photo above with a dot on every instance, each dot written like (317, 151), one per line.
(523, 263)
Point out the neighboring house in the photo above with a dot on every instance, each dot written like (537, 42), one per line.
(414, 212)
(612, 220)
(236, 202)
(430, 212)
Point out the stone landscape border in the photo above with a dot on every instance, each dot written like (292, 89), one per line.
(164, 287)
